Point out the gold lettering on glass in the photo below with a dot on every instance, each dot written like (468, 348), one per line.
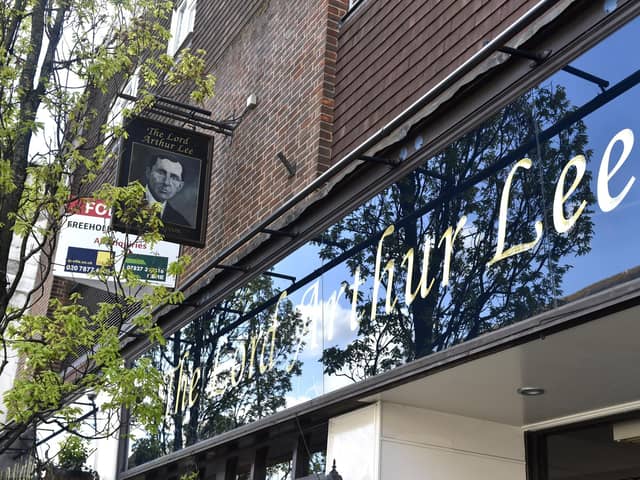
(312, 306)
(235, 379)
(501, 253)
(272, 331)
(184, 385)
(560, 222)
(253, 346)
(410, 294)
(355, 317)
(331, 308)
(605, 200)
(193, 388)
(378, 277)
(179, 385)
(216, 371)
(449, 237)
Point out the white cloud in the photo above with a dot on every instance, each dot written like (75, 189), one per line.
(329, 324)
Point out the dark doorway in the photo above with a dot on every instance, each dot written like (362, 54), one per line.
(602, 450)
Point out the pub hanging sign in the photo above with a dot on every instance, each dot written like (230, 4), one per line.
(173, 165)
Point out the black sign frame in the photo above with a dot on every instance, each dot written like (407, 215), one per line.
(151, 154)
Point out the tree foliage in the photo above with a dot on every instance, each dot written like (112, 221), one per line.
(73, 453)
(62, 64)
(476, 298)
(235, 387)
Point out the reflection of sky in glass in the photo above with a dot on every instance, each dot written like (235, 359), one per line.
(614, 249)
(327, 311)
(610, 243)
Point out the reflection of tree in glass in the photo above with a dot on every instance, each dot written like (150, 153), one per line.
(146, 449)
(478, 298)
(255, 395)
(318, 462)
(279, 471)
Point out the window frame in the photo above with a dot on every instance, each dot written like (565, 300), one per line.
(581, 46)
(353, 4)
(182, 25)
(115, 117)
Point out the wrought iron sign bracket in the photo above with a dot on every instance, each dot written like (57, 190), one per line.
(189, 115)
(278, 233)
(228, 310)
(540, 58)
(230, 267)
(291, 278)
(385, 161)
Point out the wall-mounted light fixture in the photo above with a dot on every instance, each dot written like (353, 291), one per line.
(530, 391)
(252, 102)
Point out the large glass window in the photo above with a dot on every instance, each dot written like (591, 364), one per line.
(534, 208)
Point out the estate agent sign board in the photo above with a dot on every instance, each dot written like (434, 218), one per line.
(80, 252)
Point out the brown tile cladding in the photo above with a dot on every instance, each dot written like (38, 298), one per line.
(391, 53)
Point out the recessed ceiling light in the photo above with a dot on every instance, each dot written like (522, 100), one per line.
(530, 391)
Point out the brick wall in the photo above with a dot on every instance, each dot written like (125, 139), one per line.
(284, 52)
(391, 53)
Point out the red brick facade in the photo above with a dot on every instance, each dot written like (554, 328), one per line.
(285, 54)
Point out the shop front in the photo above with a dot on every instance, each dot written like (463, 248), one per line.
(475, 318)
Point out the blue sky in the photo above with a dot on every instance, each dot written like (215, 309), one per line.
(614, 244)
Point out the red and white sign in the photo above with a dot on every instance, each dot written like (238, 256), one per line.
(89, 207)
(82, 249)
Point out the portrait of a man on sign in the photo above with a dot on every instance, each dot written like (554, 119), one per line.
(173, 166)
(170, 180)
(164, 180)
